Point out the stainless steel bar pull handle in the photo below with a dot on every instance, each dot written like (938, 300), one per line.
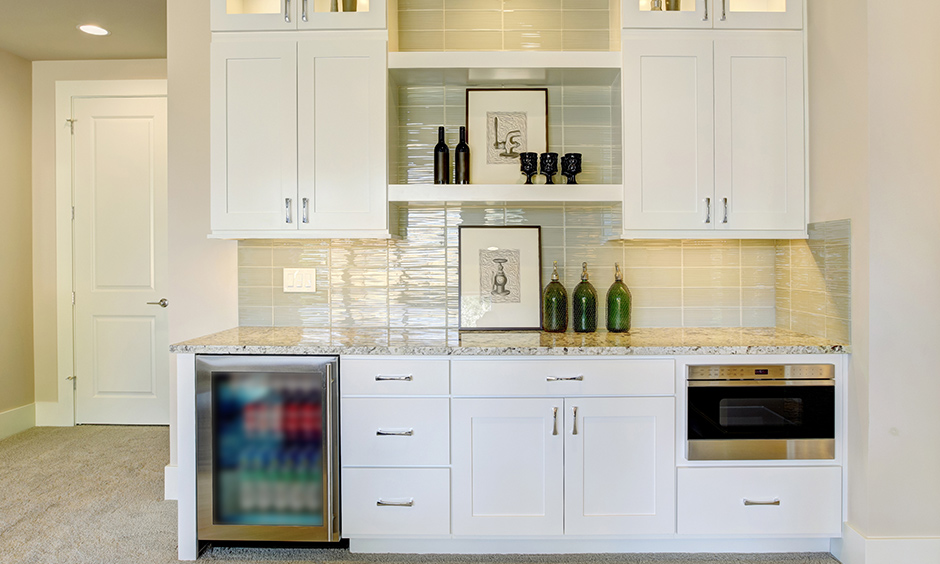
(287, 214)
(705, 19)
(751, 502)
(408, 433)
(554, 421)
(303, 11)
(403, 378)
(577, 378)
(287, 11)
(162, 303)
(574, 414)
(724, 8)
(708, 210)
(305, 203)
(383, 503)
(725, 203)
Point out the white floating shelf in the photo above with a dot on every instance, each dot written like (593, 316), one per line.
(499, 193)
(505, 67)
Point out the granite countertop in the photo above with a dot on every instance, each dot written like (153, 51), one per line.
(439, 341)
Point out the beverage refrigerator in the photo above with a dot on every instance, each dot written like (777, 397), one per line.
(267, 448)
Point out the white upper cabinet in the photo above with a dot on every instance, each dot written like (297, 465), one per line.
(298, 136)
(253, 135)
(713, 135)
(717, 14)
(272, 15)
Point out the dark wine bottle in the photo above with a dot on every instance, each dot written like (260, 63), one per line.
(462, 159)
(555, 305)
(585, 304)
(441, 159)
(619, 302)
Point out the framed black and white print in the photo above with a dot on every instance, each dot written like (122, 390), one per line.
(501, 124)
(500, 278)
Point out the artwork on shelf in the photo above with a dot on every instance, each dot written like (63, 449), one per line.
(500, 278)
(503, 123)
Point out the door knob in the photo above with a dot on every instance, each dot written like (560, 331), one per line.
(161, 303)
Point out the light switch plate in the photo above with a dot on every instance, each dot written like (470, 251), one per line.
(300, 280)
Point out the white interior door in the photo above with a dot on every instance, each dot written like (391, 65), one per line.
(120, 260)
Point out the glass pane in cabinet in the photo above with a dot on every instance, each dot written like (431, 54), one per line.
(757, 5)
(667, 5)
(253, 6)
(340, 5)
(268, 449)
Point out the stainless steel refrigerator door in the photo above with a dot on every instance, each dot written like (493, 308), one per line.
(210, 370)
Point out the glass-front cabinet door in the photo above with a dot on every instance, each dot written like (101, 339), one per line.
(719, 14)
(268, 15)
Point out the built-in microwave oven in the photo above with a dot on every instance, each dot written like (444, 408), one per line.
(772, 412)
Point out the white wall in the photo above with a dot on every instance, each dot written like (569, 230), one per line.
(203, 273)
(16, 312)
(904, 169)
(875, 141)
(45, 75)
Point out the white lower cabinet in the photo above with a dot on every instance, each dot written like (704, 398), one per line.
(396, 501)
(761, 501)
(554, 466)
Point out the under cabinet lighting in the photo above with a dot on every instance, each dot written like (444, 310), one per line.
(94, 29)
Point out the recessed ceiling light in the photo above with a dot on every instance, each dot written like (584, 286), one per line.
(94, 29)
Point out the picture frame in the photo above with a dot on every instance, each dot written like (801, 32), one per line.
(500, 278)
(501, 123)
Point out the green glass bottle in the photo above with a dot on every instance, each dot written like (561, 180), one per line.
(619, 302)
(585, 304)
(555, 305)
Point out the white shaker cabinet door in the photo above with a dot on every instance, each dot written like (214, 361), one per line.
(620, 466)
(341, 126)
(759, 165)
(668, 132)
(253, 135)
(508, 466)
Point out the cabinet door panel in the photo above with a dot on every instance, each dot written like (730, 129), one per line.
(252, 15)
(341, 133)
(668, 132)
(759, 132)
(620, 466)
(507, 467)
(759, 14)
(254, 140)
(691, 14)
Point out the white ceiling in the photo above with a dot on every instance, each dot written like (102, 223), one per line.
(44, 30)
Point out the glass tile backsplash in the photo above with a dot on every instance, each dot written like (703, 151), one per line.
(412, 282)
(508, 25)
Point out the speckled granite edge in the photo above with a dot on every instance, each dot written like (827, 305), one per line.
(441, 342)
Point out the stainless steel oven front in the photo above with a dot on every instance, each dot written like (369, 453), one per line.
(771, 412)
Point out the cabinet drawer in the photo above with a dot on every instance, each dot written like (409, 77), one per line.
(712, 501)
(545, 377)
(396, 501)
(395, 432)
(394, 377)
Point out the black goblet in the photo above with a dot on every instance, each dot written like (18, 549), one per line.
(549, 165)
(529, 165)
(571, 166)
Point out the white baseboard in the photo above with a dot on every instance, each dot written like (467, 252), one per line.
(54, 414)
(581, 545)
(170, 482)
(855, 548)
(17, 420)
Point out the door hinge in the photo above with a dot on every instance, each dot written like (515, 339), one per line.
(73, 213)
(73, 298)
(72, 125)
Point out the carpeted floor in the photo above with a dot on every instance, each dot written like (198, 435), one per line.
(94, 495)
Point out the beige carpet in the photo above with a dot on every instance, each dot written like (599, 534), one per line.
(94, 495)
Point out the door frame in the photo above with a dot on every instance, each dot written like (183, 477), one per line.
(61, 413)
